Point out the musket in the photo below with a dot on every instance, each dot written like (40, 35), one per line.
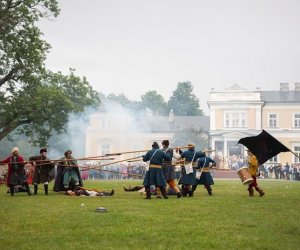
(103, 165)
(58, 161)
(139, 151)
(128, 152)
(94, 158)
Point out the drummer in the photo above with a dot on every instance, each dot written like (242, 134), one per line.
(253, 167)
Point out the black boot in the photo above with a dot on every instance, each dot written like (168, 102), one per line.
(163, 192)
(35, 189)
(260, 191)
(148, 193)
(178, 195)
(191, 193)
(177, 191)
(209, 190)
(27, 188)
(12, 190)
(46, 189)
(184, 193)
(251, 192)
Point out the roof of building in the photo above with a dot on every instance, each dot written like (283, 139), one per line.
(280, 96)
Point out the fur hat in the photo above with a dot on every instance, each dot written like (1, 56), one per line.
(14, 149)
(68, 152)
(42, 150)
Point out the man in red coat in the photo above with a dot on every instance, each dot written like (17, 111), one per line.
(16, 171)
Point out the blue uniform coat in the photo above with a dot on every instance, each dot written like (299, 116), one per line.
(205, 178)
(189, 179)
(154, 176)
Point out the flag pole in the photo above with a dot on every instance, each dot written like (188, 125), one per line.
(295, 154)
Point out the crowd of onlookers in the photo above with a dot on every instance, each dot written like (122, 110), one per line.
(279, 171)
(136, 170)
(119, 171)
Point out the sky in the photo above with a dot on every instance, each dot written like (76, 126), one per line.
(135, 46)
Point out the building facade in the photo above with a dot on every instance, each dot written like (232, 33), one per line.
(112, 132)
(236, 113)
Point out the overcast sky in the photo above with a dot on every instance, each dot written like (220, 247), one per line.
(134, 46)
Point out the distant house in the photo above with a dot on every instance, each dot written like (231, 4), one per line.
(236, 112)
(119, 130)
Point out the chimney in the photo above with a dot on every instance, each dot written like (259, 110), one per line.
(284, 86)
(297, 86)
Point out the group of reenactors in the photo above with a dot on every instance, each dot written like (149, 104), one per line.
(67, 176)
(161, 170)
(195, 170)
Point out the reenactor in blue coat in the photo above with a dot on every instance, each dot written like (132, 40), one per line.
(203, 166)
(188, 181)
(154, 176)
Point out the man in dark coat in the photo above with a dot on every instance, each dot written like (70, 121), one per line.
(68, 175)
(187, 180)
(42, 171)
(203, 166)
(154, 176)
(16, 171)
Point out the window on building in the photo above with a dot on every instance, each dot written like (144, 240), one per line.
(272, 120)
(273, 159)
(297, 152)
(296, 120)
(105, 148)
(235, 120)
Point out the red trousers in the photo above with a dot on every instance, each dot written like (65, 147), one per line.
(254, 183)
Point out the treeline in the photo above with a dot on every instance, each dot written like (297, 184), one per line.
(183, 101)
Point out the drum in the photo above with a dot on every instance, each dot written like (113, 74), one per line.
(244, 175)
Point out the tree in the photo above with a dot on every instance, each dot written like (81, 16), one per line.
(37, 112)
(22, 51)
(155, 102)
(122, 100)
(34, 101)
(183, 101)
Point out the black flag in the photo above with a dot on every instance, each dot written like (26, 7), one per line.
(264, 146)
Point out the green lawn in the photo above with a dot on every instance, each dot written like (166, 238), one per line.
(227, 220)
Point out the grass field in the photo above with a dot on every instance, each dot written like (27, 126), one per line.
(227, 220)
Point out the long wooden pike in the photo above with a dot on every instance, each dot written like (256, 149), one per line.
(209, 150)
(128, 152)
(116, 172)
(110, 163)
(61, 160)
(138, 151)
(54, 162)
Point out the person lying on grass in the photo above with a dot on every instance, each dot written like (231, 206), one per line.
(80, 191)
(153, 190)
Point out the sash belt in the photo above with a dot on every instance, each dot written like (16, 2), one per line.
(154, 166)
